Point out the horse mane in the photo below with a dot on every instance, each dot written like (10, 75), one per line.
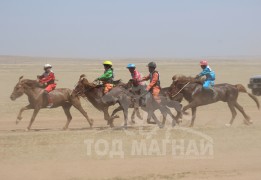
(86, 83)
(31, 83)
(182, 79)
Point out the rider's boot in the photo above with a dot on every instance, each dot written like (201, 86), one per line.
(49, 100)
(214, 92)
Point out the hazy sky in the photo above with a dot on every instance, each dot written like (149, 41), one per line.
(130, 28)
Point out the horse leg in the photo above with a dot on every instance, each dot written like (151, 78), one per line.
(138, 113)
(36, 110)
(233, 111)
(19, 117)
(193, 105)
(106, 114)
(194, 110)
(179, 117)
(133, 115)
(174, 118)
(151, 115)
(116, 110)
(125, 112)
(241, 109)
(156, 120)
(66, 110)
(77, 105)
(190, 105)
(110, 121)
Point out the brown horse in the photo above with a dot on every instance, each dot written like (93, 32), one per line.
(193, 92)
(61, 97)
(93, 93)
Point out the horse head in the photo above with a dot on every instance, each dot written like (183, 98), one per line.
(83, 85)
(22, 86)
(178, 82)
(18, 90)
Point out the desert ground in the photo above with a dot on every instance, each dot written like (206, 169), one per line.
(48, 152)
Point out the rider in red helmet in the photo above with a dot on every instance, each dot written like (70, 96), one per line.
(210, 77)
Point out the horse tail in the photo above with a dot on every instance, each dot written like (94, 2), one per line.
(242, 89)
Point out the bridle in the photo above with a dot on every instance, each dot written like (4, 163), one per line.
(172, 96)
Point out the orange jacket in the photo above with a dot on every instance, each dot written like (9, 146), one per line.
(154, 80)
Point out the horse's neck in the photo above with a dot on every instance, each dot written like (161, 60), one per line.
(94, 94)
(33, 93)
(187, 91)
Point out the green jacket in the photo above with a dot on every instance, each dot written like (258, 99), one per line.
(107, 76)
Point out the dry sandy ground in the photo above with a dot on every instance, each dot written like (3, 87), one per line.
(47, 152)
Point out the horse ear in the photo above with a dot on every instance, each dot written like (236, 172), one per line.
(21, 78)
(82, 76)
(174, 78)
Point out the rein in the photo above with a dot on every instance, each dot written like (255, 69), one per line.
(180, 90)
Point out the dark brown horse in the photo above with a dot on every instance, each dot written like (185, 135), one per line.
(93, 93)
(61, 97)
(192, 91)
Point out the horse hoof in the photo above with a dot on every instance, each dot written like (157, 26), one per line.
(91, 122)
(27, 130)
(112, 125)
(19, 118)
(116, 116)
(246, 122)
(228, 125)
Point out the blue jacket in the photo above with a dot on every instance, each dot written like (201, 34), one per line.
(210, 75)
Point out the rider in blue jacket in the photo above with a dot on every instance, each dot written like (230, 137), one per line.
(210, 77)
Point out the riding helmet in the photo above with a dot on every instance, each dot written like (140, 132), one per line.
(131, 66)
(152, 64)
(107, 63)
(47, 66)
(203, 63)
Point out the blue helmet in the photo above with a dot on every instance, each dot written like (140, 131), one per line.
(131, 66)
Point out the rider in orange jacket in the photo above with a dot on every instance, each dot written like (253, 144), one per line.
(48, 79)
(154, 86)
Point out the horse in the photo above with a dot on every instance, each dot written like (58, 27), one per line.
(193, 92)
(94, 93)
(61, 97)
(128, 98)
(164, 93)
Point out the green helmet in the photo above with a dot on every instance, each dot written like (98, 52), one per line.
(152, 64)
